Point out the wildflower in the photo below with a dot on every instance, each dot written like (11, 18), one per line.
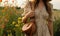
(11, 13)
(3, 26)
(6, 20)
(19, 18)
(0, 16)
(3, 11)
(19, 22)
(0, 0)
(13, 22)
(16, 25)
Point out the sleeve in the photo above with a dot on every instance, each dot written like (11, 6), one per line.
(26, 9)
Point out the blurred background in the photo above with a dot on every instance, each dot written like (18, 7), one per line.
(10, 17)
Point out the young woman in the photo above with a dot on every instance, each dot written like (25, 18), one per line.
(43, 16)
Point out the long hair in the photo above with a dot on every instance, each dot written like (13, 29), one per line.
(47, 5)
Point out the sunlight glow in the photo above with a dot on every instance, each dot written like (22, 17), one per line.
(22, 3)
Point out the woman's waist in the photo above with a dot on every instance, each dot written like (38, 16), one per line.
(41, 21)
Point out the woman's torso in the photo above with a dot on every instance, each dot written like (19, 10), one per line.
(41, 14)
(41, 17)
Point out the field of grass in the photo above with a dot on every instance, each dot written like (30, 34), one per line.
(56, 14)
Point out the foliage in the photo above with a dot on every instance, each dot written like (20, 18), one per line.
(10, 21)
(57, 27)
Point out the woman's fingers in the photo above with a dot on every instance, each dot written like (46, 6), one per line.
(24, 19)
(30, 14)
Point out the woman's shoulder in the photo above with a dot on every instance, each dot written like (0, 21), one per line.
(26, 8)
(27, 5)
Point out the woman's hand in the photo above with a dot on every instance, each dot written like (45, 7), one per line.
(24, 19)
(30, 14)
(50, 26)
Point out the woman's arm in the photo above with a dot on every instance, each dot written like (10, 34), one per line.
(50, 26)
(28, 15)
(50, 20)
